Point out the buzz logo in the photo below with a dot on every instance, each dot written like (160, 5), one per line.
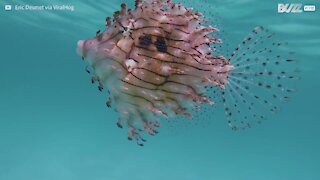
(295, 8)
(290, 8)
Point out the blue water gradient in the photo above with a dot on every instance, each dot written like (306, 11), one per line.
(54, 124)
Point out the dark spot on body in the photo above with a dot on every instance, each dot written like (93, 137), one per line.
(161, 45)
(145, 40)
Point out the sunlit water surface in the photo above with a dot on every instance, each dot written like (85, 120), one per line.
(54, 124)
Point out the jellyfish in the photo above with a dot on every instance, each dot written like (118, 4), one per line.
(158, 60)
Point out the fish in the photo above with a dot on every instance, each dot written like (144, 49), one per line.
(160, 60)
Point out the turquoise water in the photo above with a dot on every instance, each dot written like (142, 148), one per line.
(54, 124)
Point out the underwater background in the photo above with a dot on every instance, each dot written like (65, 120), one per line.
(54, 124)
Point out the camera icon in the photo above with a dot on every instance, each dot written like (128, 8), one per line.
(7, 7)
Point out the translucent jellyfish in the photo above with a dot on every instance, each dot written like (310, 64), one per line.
(156, 61)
